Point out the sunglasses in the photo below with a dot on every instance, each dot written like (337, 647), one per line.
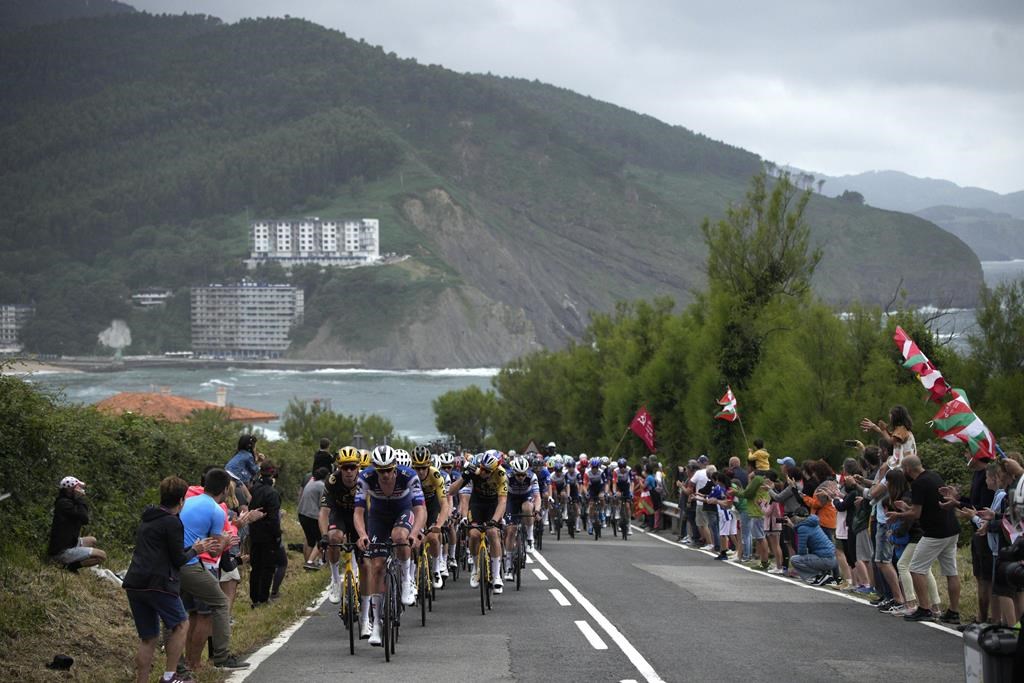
(421, 468)
(349, 468)
(386, 470)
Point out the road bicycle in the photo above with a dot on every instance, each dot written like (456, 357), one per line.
(424, 584)
(571, 519)
(622, 505)
(391, 607)
(349, 608)
(483, 563)
(556, 518)
(518, 554)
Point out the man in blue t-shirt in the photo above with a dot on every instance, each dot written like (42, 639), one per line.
(202, 517)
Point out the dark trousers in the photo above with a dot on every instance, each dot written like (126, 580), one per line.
(280, 568)
(263, 561)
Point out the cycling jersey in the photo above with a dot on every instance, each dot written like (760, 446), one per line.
(592, 479)
(407, 492)
(337, 496)
(489, 486)
(623, 479)
(433, 485)
(525, 488)
(543, 478)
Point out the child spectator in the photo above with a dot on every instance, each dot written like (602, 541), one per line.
(723, 497)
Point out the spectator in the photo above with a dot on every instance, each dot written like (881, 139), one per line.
(980, 498)
(723, 497)
(202, 517)
(244, 466)
(939, 530)
(755, 497)
(67, 546)
(698, 482)
(849, 527)
(897, 435)
(710, 511)
(899, 490)
(309, 515)
(151, 581)
(264, 536)
(815, 558)
(772, 520)
(323, 457)
(758, 459)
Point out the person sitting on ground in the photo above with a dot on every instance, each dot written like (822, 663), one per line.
(815, 559)
(67, 546)
(152, 583)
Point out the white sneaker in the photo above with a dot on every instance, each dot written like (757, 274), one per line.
(474, 580)
(777, 571)
(408, 594)
(365, 629)
(707, 547)
(444, 570)
(509, 575)
(438, 583)
(529, 544)
(375, 635)
(498, 585)
(452, 563)
(334, 592)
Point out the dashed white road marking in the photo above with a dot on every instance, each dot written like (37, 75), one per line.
(591, 635)
(634, 656)
(559, 598)
(529, 560)
(539, 574)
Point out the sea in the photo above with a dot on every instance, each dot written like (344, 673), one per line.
(404, 397)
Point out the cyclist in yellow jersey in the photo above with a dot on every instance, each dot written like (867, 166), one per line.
(435, 495)
(487, 500)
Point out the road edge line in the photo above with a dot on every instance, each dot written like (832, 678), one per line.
(634, 656)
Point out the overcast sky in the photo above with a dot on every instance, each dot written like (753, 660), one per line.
(931, 88)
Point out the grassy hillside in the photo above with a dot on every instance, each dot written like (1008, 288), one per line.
(136, 155)
(992, 236)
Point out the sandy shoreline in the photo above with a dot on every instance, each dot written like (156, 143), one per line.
(25, 367)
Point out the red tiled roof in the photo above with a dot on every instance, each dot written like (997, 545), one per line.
(175, 408)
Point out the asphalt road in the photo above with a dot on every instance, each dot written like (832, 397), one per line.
(639, 610)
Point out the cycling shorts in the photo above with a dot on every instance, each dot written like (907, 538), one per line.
(482, 510)
(433, 510)
(594, 491)
(379, 528)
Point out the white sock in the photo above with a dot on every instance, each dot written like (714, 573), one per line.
(495, 566)
(364, 607)
(375, 601)
(433, 565)
(407, 570)
(335, 574)
(529, 532)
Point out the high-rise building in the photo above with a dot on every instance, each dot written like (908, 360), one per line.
(12, 319)
(244, 320)
(315, 242)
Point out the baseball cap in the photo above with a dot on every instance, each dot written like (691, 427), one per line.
(702, 460)
(692, 463)
(787, 461)
(70, 483)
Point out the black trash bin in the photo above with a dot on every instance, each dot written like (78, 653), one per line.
(988, 653)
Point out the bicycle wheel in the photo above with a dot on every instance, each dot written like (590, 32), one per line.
(396, 606)
(483, 570)
(571, 523)
(386, 614)
(596, 523)
(352, 609)
(421, 592)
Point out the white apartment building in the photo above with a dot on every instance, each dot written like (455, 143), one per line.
(244, 320)
(315, 242)
(12, 319)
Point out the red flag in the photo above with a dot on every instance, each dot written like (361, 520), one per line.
(643, 426)
(729, 405)
(918, 363)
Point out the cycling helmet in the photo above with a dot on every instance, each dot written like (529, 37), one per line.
(420, 456)
(584, 458)
(605, 460)
(364, 458)
(488, 461)
(551, 444)
(384, 457)
(595, 463)
(520, 465)
(557, 465)
(622, 462)
(435, 460)
(512, 454)
(403, 457)
(347, 456)
(568, 461)
(447, 459)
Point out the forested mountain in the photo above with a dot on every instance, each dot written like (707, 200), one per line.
(992, 236)
(19, 14)
(136, 154)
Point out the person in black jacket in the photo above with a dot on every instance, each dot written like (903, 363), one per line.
(323, 457)
(264, 535)
(152, 581)
(70, 513)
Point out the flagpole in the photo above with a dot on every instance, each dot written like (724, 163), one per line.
(612, 456)
(743, 431)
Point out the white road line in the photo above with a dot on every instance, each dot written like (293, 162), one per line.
(559, 598)
(264, 653)
(539, 574)
(634, 656)
(591, 635)
(790, 582)
(529, 560)
(627, 680)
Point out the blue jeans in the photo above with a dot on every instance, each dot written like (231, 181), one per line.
(810, 566)
(745, 531)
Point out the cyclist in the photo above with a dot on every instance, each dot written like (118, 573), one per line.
(453, 481)
(388, 506)
(337, 503)
(523, 499)
(621, 484)
(488, 496)
(572, 479)
(543, 483)
(594, 482)
(559, 485)
(403, 457)
(435, 495)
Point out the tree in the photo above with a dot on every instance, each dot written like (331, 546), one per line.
(467, 414)
(852, 197)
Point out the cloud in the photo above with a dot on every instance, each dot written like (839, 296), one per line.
(930, 88)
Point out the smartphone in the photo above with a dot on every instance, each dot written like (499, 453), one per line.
(851, 443)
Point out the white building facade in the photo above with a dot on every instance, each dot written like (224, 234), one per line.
(312, 241)
(12, 319)
(245, 320)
